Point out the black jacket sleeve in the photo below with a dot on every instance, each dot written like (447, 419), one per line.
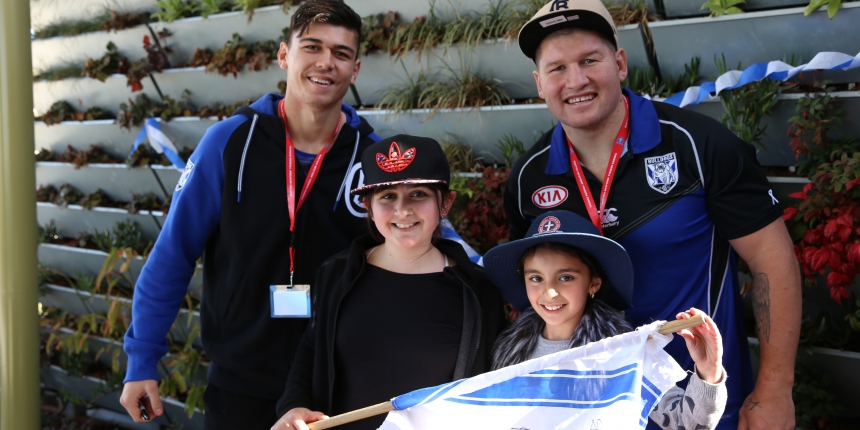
(299, 387)
(517, 225)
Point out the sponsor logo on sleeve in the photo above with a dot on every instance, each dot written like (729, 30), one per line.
(662, 172)
(549, 196)
(189, 166)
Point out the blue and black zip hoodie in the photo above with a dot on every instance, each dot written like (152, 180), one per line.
(230, 205)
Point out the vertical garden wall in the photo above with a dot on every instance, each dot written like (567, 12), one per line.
(450, 71)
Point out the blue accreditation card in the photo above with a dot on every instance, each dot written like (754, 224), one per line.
(290, 302)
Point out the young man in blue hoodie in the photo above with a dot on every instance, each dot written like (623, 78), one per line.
(266, 190)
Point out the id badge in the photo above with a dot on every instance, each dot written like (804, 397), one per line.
(291, 302)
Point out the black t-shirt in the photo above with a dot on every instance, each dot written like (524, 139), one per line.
(395, 333)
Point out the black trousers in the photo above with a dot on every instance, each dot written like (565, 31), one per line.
(226, 410)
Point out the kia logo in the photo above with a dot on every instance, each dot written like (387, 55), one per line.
(549, 197)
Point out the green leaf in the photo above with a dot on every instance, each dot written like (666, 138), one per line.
(813, 6)
(833, 7)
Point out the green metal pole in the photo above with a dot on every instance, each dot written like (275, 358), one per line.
(19, 321)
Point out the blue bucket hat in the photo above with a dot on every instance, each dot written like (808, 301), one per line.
(565, 227)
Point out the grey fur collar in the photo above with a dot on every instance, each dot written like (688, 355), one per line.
(518, 341)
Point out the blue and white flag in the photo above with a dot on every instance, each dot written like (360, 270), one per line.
(159, 142)
(449, 233)
(610, 384)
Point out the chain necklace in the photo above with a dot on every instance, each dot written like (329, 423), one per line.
(422, 254)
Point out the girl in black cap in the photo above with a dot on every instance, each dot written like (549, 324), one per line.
(400, 310)
(571, 283)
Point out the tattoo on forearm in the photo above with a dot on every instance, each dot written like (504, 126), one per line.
(751, 404)
(761, 305)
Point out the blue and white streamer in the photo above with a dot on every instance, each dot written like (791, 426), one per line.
(775, 70)
(159, 142)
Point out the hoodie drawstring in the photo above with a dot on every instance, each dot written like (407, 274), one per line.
(242, 163)
(344, 184)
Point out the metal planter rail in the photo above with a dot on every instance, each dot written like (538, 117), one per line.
(756, 37)
(119, 181)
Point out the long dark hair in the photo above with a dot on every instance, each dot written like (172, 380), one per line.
(439, 189)
(518, 342)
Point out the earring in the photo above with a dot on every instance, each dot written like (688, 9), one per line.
(592, 295)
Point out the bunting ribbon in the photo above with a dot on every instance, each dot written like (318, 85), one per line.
(159, 142)
(775, 70)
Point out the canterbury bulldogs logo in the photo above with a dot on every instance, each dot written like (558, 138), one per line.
(662, 172)
(549, 197)
(549, 224)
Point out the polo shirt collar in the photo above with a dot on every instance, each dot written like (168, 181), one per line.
(644, 134)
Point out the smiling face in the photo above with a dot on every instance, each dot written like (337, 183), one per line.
(407, 215)
(321, 64)
(579, 75)
(558, 285)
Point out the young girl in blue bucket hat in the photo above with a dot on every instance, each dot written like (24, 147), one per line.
(572, 284)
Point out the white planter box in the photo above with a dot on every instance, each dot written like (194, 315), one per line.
(47, 12)
(481, 128)
(69, 260)
(500, 59)
(73, 220)
(81, 303)
(183, 132)
(755, 37)
(678, 8)
(118, 180)
(98, 343)
(88, 388)
(779, 152)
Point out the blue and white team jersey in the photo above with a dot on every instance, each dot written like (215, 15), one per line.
(684, 187)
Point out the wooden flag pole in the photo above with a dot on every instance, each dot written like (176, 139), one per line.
(678, 325)
(360, 414)
(386, 407)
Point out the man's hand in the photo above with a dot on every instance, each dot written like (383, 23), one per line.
(296, 418)
(767, 408)
(145, 391)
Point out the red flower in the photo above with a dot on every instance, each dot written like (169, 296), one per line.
(789, 213)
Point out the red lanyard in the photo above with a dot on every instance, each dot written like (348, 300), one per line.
(291, 178)
(617, 149)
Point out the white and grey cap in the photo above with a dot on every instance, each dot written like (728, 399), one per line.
(558, 14)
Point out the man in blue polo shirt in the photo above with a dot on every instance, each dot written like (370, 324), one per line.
(680, 192)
